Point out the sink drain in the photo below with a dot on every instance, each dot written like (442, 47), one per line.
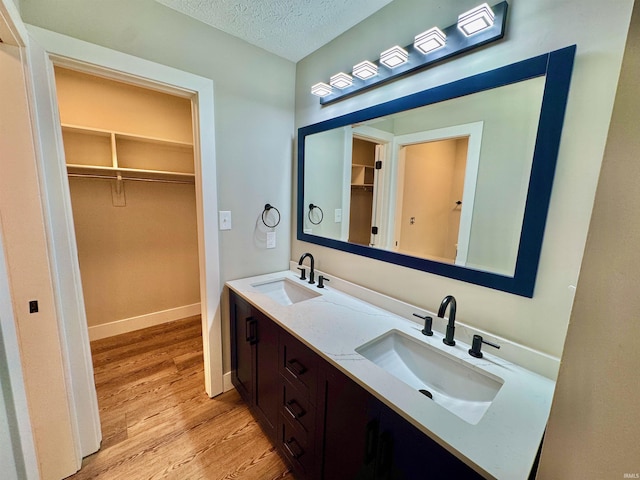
(426, 393)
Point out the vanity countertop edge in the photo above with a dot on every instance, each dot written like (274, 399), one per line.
(502, 445)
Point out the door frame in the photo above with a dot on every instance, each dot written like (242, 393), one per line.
(69, 52)
(383, 140)
(471, 130)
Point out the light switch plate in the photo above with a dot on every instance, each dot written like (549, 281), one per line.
(271, 239)
(338, 215)
(225, 220)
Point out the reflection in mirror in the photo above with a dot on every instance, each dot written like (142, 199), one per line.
(454, 180)
(433, 196)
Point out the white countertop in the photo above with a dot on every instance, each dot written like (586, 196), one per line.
(502, 445)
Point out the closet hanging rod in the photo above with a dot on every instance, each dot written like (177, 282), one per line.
(111, 177)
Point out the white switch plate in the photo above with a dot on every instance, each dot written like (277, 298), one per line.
(338, 215)
(271, 239)
(225, 220)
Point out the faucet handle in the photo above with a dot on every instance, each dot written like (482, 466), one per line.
(321, 280)
(476, 346)
(303, 273)
(428, 322)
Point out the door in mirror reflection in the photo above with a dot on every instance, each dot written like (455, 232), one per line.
(429, 196)
(363, 161)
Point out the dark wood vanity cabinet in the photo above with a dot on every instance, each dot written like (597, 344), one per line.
(324, 423)
(254, 361)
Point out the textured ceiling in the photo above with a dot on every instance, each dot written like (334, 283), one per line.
(289, 28)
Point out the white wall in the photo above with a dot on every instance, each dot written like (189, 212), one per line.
(534, 28)
(326, 165)
(253, 116)
(253, 98)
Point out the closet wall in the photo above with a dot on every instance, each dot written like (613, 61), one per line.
(138, 254)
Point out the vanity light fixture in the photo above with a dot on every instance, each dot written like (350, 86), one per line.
(430, 40)
(321, 89)
(341, 80)
(393, 57)
(474, 28)
(365, 70)
(476, 20)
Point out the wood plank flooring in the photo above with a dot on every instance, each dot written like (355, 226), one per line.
(158, 422)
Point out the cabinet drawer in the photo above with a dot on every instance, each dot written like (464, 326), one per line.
(297, 408)
(299, 365)
(297, 446)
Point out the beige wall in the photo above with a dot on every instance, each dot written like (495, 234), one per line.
(28, 270)
(533, 28)
(138, 259)
(593, 428)
(94, 102)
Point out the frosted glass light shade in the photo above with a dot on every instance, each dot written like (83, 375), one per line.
(341, 80)
(321, 89)
(394, 56)
(430, 40)
(476, 20)
(365, 70)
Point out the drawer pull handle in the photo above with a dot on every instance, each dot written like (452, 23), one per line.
(295, 368)
(386, 453)
(371, 443)
(251, 331)
(290, 444)
(289, 408)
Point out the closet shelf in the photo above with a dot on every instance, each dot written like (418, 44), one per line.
(95, 152)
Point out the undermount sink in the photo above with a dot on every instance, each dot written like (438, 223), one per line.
(285, 291)
(462, 389)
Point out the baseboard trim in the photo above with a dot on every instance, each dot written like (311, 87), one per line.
(127, 325)
(226, 382)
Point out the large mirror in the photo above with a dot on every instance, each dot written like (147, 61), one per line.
(454, 180)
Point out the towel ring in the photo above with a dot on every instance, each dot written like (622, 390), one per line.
(311, 208)
(266, 210)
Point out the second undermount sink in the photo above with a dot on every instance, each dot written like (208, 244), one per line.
(285, 291)
(460, 388)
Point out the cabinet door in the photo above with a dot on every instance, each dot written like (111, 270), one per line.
(267, 377)
(351, 429)
(243, 337)
(405, 453)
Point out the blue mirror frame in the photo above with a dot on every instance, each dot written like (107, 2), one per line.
(557, 66)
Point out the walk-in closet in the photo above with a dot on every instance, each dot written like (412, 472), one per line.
(130, 160)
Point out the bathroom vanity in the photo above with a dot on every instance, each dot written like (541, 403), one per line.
(346, 389)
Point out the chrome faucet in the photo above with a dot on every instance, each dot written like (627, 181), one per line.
(449, 300)
(311, 272)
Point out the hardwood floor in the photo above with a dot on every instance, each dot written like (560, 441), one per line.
(158, 422)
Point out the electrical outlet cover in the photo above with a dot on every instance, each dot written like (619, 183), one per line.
(271, 239)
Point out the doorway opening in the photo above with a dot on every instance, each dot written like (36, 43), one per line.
(129, 154)
(130, 164)
(430, 187)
